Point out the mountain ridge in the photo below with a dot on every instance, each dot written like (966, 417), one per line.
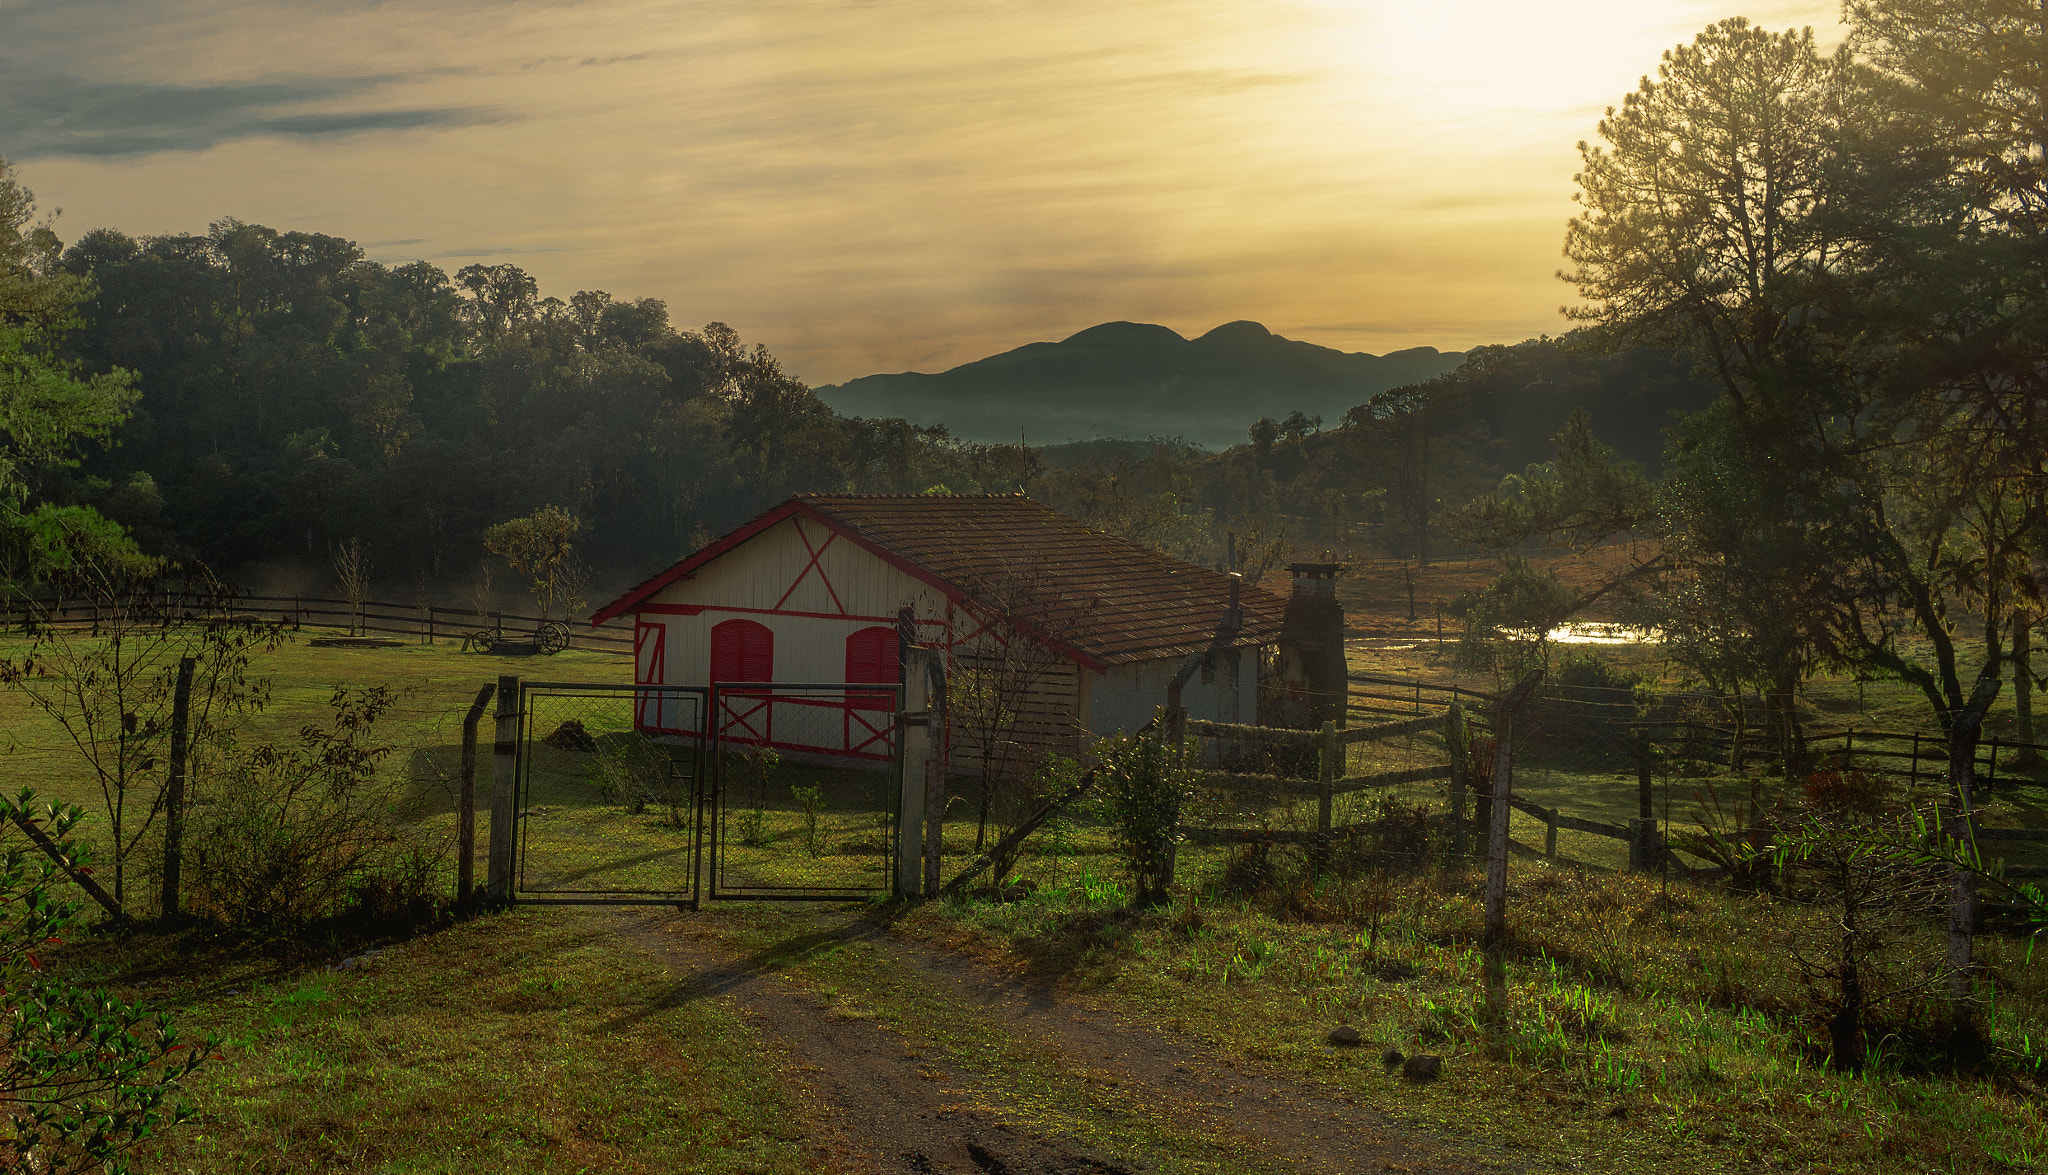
(1126, 378)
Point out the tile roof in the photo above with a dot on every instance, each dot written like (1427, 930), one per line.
(1109, 599)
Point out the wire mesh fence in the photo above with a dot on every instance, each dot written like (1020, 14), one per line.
(805, 799)
(609, 808)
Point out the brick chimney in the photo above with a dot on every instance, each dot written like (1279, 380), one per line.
(1313, 640)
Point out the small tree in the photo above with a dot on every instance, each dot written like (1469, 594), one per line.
(1859, 940)
(83, 1076)
(997, 696)
(109, 690)
(537, 546)
(1146, 779)
(352, 574)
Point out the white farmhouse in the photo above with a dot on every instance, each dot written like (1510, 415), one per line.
(1083, 629)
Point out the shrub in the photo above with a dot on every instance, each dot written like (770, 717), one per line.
(83, 1075)
(1145, 781)
(295, 830)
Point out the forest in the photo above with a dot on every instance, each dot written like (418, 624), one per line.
(289, 397)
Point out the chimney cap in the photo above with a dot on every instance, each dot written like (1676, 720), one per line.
(1315, 570)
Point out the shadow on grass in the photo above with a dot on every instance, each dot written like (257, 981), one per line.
(726, 978)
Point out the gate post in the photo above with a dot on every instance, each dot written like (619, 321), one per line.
(504, 791)
(914, 729)
(934, 766)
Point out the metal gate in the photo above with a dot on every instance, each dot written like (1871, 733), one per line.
(610, 794)
(668, 794)
(804, 790)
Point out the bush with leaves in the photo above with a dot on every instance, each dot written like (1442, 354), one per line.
(1857, 931)
(295, 831)
(1145, 780)
(84, 1076)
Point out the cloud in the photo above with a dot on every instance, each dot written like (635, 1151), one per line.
(57, 114)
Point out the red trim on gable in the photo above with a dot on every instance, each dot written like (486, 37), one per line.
(689, 566)
(797, 506)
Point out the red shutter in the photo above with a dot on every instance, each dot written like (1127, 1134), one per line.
(742, 650)
(871, 655)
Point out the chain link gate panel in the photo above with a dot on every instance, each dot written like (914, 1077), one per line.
(610, 793)
(805, 782)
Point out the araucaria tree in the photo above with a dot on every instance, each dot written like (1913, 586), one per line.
(1850, 245)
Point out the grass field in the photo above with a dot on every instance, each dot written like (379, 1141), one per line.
(1650, 1029)
(534, 1041)
(434, 686)
(1653, 1027)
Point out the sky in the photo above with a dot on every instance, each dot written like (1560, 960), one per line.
(874, 185)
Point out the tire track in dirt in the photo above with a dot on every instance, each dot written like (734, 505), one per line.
(889, 1104)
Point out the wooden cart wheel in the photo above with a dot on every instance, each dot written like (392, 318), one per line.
(479, 641)
(552, 637)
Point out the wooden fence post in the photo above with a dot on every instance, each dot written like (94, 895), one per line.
(465, 829)
(1962, 910)
(504, 792)
(1327, 777)
(1456, 742)
(1550, 834)
(1493, 940)
(174, 789)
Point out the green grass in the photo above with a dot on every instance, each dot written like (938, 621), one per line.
(528, 1042)
(435, 685)
(1643, 1034)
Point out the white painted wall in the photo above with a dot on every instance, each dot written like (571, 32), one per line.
(864, 589)
(856, 590)
(1126, 697)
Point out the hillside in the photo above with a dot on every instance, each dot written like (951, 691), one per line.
(1136, 379)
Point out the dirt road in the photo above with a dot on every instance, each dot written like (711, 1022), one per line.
(929, 1062)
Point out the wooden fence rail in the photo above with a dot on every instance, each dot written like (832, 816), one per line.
(426, 622)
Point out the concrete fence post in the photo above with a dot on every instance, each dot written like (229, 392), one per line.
(504, 793)
(913, 728)
(935, 767)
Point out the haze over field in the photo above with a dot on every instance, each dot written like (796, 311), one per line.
(874, 188)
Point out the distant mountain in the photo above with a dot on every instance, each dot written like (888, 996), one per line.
(1133, 379)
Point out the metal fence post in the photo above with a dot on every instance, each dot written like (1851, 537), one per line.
(504, 792)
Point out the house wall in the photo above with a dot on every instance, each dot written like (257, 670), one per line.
(812, 589)
(1126, 697)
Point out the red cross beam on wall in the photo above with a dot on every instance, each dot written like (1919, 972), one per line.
(831, 536)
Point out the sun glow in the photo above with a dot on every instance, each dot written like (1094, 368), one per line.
(903, 185)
